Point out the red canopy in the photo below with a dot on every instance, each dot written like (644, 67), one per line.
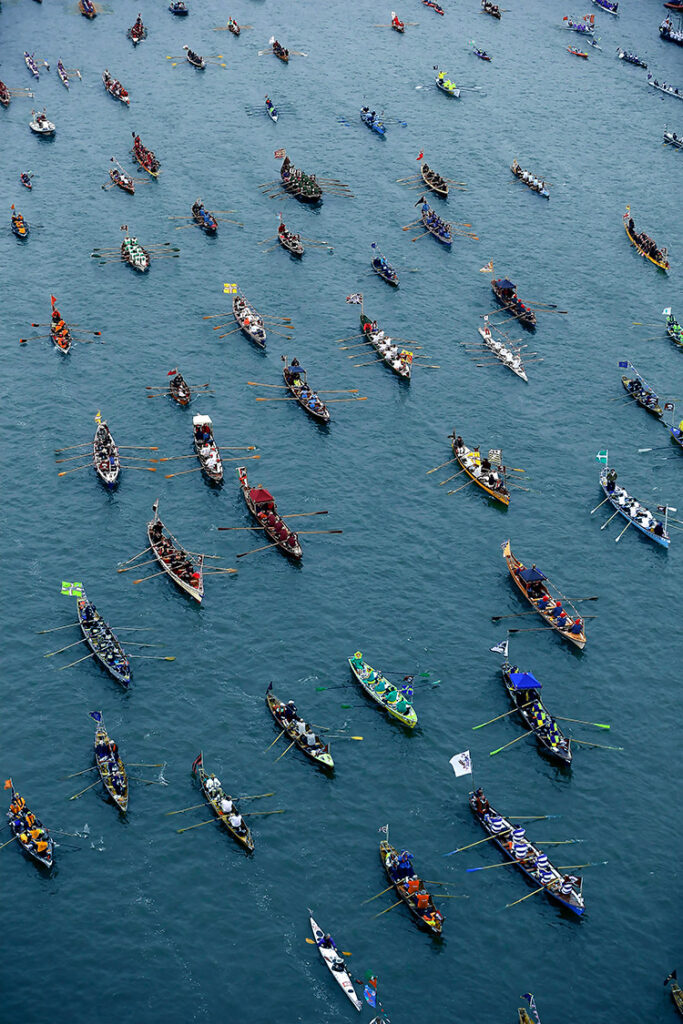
(259, 494)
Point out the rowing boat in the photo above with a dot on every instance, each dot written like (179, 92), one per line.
(524, 690)
(270, 108)
(206, 449)
(145, 157)
(632, 510)
(434, 224)
(195, 59)
(23, 823)
(645, 245)
(674, 330)
(427, 916)
(610, 6)
(31, 64)
(668, 90)
(215, 794)
(25, 180)
(370, 119)
(504, 291)
(434, 6)
(669, 33)
(20, 227)
(384, 693)
(62, 75)
(584, 27)
(5, 95)
(670, 138)
(249, 321)
(105, 456)
(487, 476)
(233, 27)
(529, 179)
(643, 394)
(134, 254)
(534, 586)
(490, 8)
(295, 379)
(385, 270)
(335, 964)
(280, 52)
(114, 88)
(302, 186)
(295, 729)
(676, 990)
(186, 570)
(434, 181)
(506, 355)
(396, 23)
(290, 241)
(123, 180)
(524, 1017)
(179, 390)
(263, 508)
(445, 84)
(204, 218)
(179, 7)
(102, 641)
(110, 766)
(137, 32)
(398, 360)
(60, 334)
(631, 58)
(87, 8)
(531, 861)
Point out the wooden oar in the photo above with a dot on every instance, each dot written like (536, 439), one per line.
(440, 467)
(622, 532)
(516, 740)
(75, 644)
(76, 662)
(209, 821)
(504, 715)
(304, 533)
(375, 897)
(601, 746)
(76, 795)
(462, 487)
(524, 897)
(65, 472)
(254, 550)
(84, 772)
(162, 573)
(448, 478)
(387, 910)
(16, 837)
(152, 657)
(261, 814)
(69, 625)
(478, 843)
(132, 568)
(285, 751)
(183, 809)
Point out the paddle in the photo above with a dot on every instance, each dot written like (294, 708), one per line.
(278, 737)
(260, 814)
(312, 942)
(284, 751)
(69, 625)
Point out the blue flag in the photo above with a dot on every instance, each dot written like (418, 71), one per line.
(624, 365)
(373, 245)
(96, 716)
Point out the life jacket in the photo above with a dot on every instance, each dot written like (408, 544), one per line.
(423, 901)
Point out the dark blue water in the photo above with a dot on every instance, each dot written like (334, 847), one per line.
(158, 926)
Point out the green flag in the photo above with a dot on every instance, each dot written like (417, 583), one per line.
(601, 456)
(72, 589)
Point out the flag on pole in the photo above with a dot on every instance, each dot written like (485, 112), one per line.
(667, 311)
(197, 763)
(602, 456)
(53, 300)
(96, 716)
(488, 269)
(384, 829)
(356, 298)
(8, 785)
(171, 373)
(496, 456)
(624, 364)
(72, 589)
(420, 155)
(373, 245)
(229, 289)
(279, 154)
(501, 648)
(532, 1005)
(98, 417)
(462, 764)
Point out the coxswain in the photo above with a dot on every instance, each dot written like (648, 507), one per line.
(480, 801)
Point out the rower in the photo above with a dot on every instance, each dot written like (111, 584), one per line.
(227, 806)
(422, 900)
(326, 942)
(236, 822)
(497, 825)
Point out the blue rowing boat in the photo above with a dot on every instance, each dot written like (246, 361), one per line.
(370, 119)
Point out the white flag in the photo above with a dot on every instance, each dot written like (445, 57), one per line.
(667, 311)
(501, 648)
(384, 828)
(462, 764)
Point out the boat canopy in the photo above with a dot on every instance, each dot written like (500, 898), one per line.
(295, 369)
(524, 681)
(201, 420)
(532, 575)
(259, 494)
(505, 284)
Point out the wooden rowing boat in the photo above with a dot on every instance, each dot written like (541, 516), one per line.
(20, 226)
(438, 228)
(62, 75)
(674, 330)
(392, 356)
(643, 395)
(123, 181)
(434, 181)
(533, 584)
(201, 216)
(105, 456)
(384, 693)
(186, 570)
(524, 1017)
(289, 241)
(319, 753)
(531, 181)
(110, 766)
(179, 390)
(210, 461)
(263, 508)
(676, 991)
(632, 510)
(445, 85)
(490, 8)
(114, 88)
(21, 822)
(60, 333)
(5, 95)
(134, 254)
(280, 52)
(385, 270)
(488, 479)
(295, 378)
(87, 8)
(195, 59)
(137, 32)
(214, 794)
(302, 186)
(233, 27)
(505, 293)
(335, 964)
(509, 838)
(249, 321)
(660, 257)
(429, 917)
(507, 356)
(145, 157)
(102, 641)
(524, 690)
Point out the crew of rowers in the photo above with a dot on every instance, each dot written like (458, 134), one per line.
(145, 156)
(384, 268)
(273, 524)
(667, 31)
(662, 85)
(207, 220)
(288, 236)
(534, 861)
(630, 507)
(225, 805)
(295, 376)
(434, 223)
(490, 8)
(109, 765)
(59, 330)
(581, 26)
(207, 449)
(632, 58)
(396, 22)
(175, 558)
(672, 325)
(105, 453)
(270, 106)
(398, 359)
(102, 639)
(480, 468)
(303, 732)
(30, 832)
(298, 181)
(194, 58)
(19, 225)
(512, 300)
(647, 244)
(446, 83)
(537, 184)
(248, 318)
(643, 395)
(434, 178)
(371, 119)
(386, 691)
(505, 354)
(541, 599)
(233, 26)
(138, 29)
(402, 874)
(114, 87)
(280, 51)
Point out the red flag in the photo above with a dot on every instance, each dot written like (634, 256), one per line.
(52, 299)
(8, 784)
(172, 372)
(420, 156)
(197, 763)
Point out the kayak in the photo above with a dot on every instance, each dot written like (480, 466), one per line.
(336, 966)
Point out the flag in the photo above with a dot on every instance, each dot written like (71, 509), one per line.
(197, 763)
(501, 648)
(488, 269)
(280, 154)
(370, 995)
(96, 716)
(420, 155)
(8, 785)
(53, 300)
(667, 311)
(384, 829)
(665, 509)
(72, 589)
(373, 245)
(668, 978)
(532, 1005)
(624, 364)
(229, 289)
(172, 372)
(495, 456)
(669, 405)
(356, 298)
(98, 417)
(407, 692)
(462, 764)
(602, 456)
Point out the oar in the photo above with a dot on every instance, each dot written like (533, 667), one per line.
(478, 843)
(75, 644)
(304, 533)
(209, 821)
(254, 550)
(76, 795)
(440, 467)
(144, 550)
(285, 751)
(69, 625)
(65, 472)
(387, 910)
(504, 715)
(132, 568)
(84, 772)
(601, 746)
(375, 897)
(600, 505)
(623, 532)
(260, 814)
(162, 573)
(11, 841)
(76, 662)
(525, 897)
(145, 764)
(152, 657)
(462, 487)
(516, 740)
(257, 796)
(278, 737)
(449, 478)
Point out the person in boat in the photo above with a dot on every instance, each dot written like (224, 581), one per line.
(576, 627)
(412, 885)
(237, 822)
(289, 711)
(481, 804)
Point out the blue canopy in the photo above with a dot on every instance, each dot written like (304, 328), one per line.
(524, 681)
(505, 284)
(532, 575)
(295, 369)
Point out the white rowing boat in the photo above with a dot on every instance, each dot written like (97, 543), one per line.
(668, 90)
(507, 356)
(336, 965)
